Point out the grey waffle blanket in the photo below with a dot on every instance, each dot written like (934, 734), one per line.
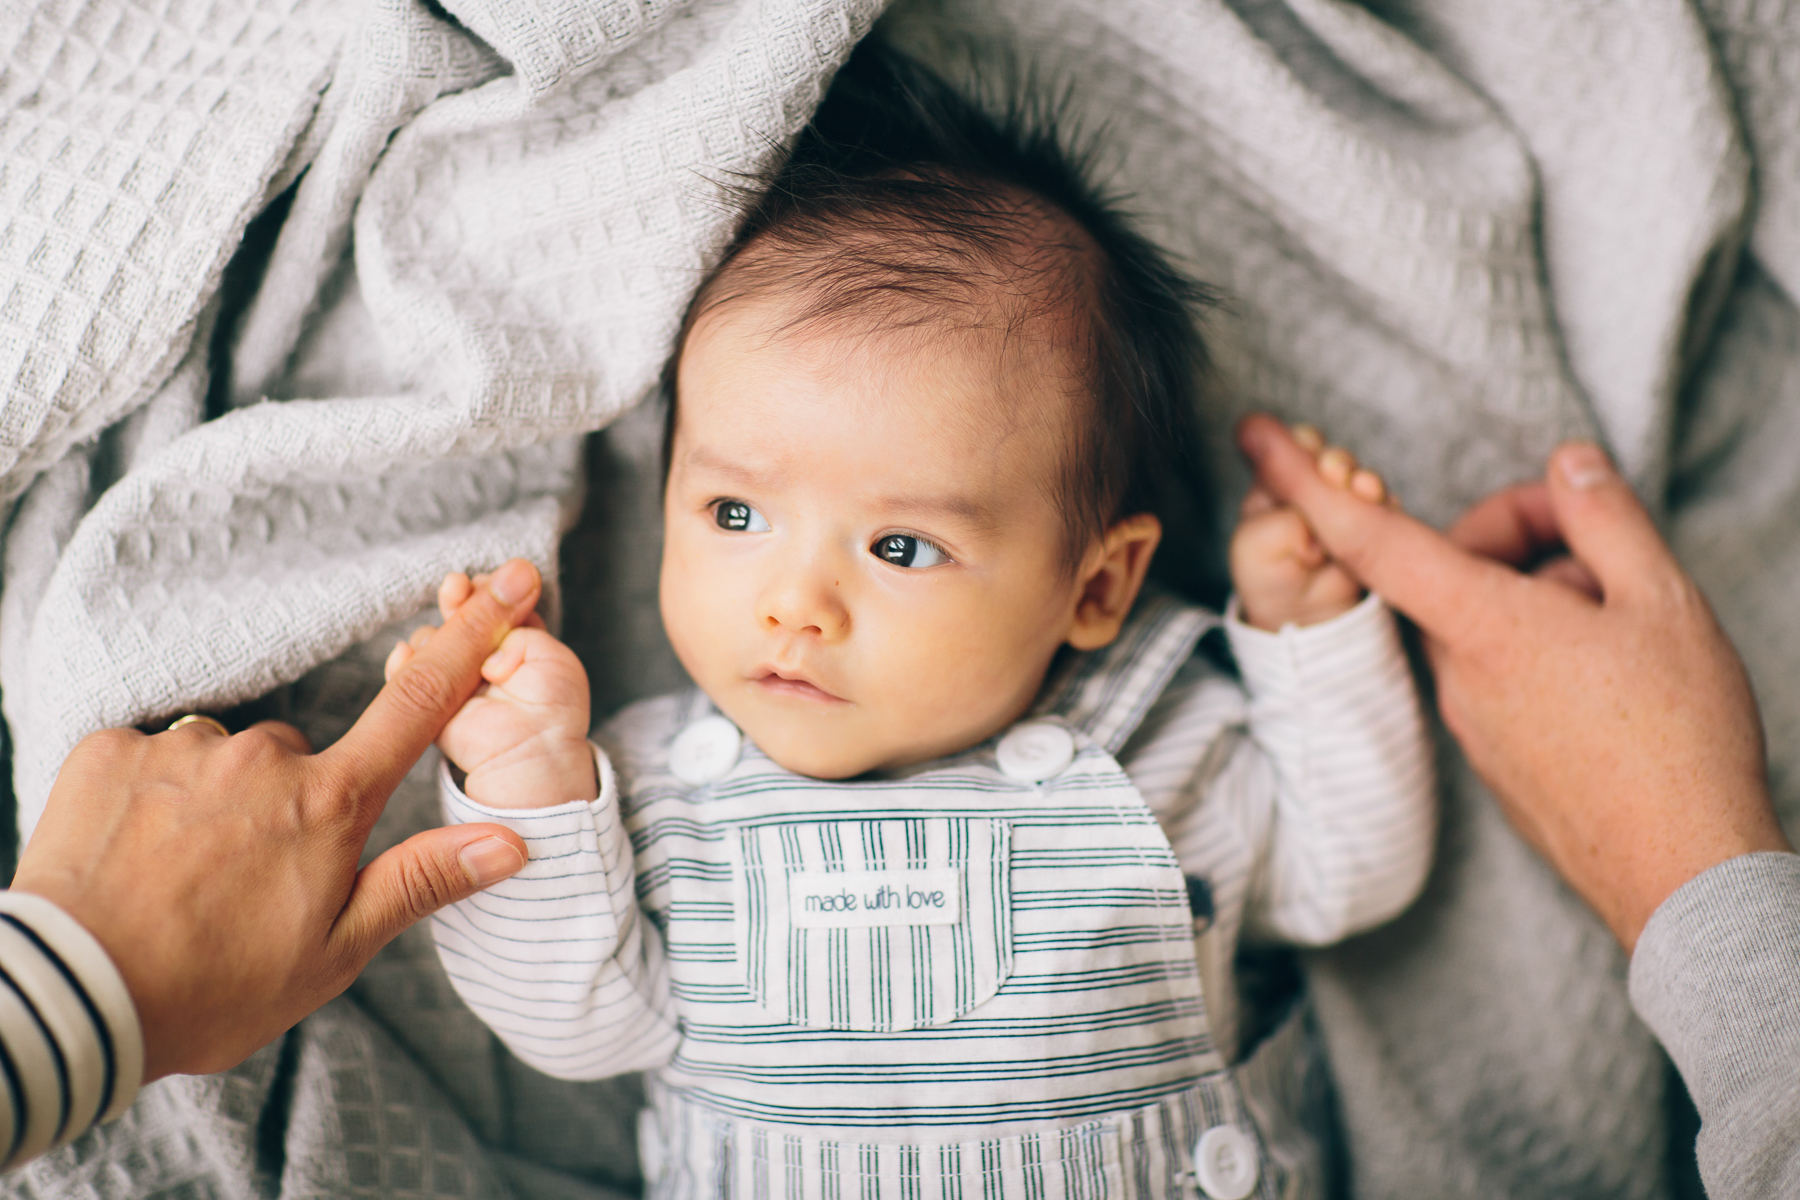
(234, 451)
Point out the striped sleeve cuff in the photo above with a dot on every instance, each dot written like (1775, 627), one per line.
(1314, 656)
(459, 809)
(71, 1048)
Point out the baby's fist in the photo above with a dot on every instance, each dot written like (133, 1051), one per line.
(522, 737)
(1281, 574)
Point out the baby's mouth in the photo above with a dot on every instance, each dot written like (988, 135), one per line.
(793, 685)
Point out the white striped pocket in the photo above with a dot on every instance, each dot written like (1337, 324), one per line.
(873, 926)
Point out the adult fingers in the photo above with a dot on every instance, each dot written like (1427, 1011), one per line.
(1516, 525)
(1571, 574)
(1605, 526)
(418, 877)
(1412, 566)
(425, 692)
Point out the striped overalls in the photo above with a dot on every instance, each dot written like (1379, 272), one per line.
(974, 979)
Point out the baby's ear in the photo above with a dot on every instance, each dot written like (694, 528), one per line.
(1110, 578)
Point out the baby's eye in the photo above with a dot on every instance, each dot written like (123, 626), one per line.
(908, 550)
(739, 517)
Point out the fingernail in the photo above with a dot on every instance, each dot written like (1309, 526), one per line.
(1583, 465)
(490, 860)
(513, 582)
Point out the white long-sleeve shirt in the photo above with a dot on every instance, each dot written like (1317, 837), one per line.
(1299, 803)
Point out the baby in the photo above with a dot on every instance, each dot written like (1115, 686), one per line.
(933, 886)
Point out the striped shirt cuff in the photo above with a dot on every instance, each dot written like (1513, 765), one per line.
(459, 809)
(1314, 656)
(71, 1048)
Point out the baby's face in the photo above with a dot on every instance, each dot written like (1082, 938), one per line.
(862, 564)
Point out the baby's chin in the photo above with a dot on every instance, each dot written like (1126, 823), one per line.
(838, 753)
(827, 757)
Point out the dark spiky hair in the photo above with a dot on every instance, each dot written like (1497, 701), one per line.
(905, 204)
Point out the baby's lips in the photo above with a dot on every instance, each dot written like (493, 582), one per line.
(796, 681)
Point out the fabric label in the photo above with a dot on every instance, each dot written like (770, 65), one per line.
(865, 899)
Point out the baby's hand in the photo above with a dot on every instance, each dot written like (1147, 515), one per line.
(522, 737)
(1280, 572)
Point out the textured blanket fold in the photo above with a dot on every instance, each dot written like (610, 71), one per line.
(1452, 232)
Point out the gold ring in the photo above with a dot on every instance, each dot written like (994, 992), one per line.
(201, 719)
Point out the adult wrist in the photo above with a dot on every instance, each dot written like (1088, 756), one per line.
(1682, 855)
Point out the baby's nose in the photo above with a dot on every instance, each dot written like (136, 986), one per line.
(803, 603)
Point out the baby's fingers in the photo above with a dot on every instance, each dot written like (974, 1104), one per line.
(1340, 469)
(397, 659)
(455, 590)
(1336, 465)
(403, 652)
(1279, 534)
(500, 665)
(1257, 501)
(1368, 485)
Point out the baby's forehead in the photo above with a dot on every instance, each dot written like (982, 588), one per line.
(986, 373)
(971, 397)
(992, 291)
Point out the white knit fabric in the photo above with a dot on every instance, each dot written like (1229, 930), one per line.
(524, 244)
(1454, 232)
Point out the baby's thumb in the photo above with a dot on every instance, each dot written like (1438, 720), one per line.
(397, 658)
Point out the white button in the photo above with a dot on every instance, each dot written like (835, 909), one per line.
(705, 751)
(1225, 1161)
(1034, 751)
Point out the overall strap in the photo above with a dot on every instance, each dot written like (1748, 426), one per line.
(1105, 693)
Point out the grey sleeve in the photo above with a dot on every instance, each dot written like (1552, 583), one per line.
(1716, 976)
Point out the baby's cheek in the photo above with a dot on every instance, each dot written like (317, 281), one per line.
(969, 679)
(699, 604)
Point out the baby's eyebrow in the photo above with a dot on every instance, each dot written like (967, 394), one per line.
(700, 458)
(954, 506)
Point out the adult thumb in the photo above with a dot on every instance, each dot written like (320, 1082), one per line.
(416, 878)
(1605, 525)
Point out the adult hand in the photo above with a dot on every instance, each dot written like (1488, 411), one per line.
(1595, 694)
(220, 872)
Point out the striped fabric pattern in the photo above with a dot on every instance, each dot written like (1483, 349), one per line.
(71, 1050)
(1305, 798)
(884, 978)
(1132, 1156)
(1099, 1007)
